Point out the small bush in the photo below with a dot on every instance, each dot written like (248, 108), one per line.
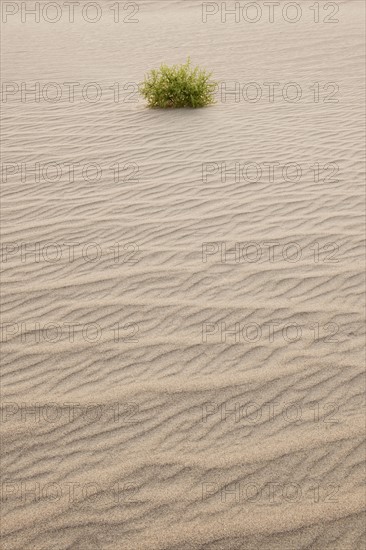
(178, 86)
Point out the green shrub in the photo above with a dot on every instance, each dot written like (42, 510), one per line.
(178, 86)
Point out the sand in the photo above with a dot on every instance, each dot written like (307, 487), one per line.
(182, 338)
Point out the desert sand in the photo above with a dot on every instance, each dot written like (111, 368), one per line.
(183, 311)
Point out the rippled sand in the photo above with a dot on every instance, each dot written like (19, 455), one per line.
(163, 386)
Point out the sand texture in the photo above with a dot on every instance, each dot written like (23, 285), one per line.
(182, 347)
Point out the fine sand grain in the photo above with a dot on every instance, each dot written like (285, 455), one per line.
(183, 363)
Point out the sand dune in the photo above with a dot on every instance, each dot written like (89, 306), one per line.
(182, 291)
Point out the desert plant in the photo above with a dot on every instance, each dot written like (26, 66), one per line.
(178, 86)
